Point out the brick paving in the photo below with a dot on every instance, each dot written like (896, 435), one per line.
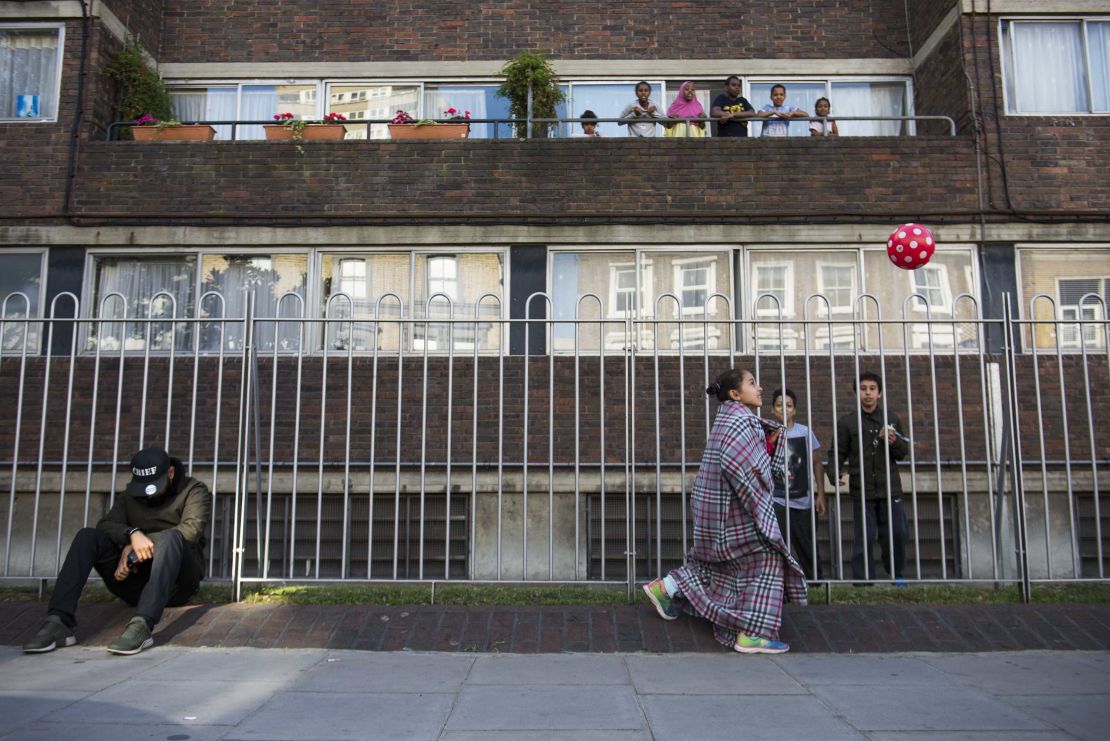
(594, 629)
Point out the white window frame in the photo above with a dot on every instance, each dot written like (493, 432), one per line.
(821, 288)
(762, 308)
(681, 265)
(1092, 337)
(944, 287)
(615, 289)
(61, 29)
(1006, 52)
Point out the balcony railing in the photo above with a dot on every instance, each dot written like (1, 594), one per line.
(545, 127)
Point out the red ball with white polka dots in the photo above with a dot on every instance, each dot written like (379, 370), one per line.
(910, 246)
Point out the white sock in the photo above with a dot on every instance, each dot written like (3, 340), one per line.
(671, 586)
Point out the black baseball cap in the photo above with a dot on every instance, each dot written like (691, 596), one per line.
(149, 473)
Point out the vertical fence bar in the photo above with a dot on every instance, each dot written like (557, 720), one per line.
(69, 417)
(1091, 419)
(18, 412)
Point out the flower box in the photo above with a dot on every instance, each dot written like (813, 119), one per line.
(179, 133)
(429, 131)
(311, 132)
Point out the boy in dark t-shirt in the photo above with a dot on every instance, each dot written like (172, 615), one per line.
(730, 109)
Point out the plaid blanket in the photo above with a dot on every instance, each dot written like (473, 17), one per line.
(739, 571)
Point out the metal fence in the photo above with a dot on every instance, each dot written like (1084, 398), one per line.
(432, 452)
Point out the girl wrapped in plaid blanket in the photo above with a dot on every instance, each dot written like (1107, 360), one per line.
(739, 571)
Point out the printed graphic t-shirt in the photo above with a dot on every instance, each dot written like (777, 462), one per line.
(800, 443)
(736, 127)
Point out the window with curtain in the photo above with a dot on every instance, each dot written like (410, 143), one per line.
(465, 278)
(29, 63)
(1058, 66)
(262, 102)
(607, 100)
(216, 103)
(799, 94)
(352, 284)
(480, 100)
(139, 280)
(869, 99)
(271, 278)
(611, 276)
(374, 101)
(20, 290)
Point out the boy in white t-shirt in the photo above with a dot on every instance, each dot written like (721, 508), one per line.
(803, 474)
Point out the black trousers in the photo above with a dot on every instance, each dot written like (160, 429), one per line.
(800, 539)
(169, 579)
(878, 528)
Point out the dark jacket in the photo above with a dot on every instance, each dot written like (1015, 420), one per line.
(186, 507)
(874, 470)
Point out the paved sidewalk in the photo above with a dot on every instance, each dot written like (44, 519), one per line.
(623, 628)
(195, 694)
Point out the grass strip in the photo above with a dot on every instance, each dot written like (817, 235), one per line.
(495, 594)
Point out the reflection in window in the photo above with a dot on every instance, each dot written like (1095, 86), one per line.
(948, 274)
(464, 278)
(1079, 303)
(262, 102)
(367, 101)
(269, 278)
(28, 73)
(630, 286)
(138, 281)
(1064, 275)
(352, 286)
(20, 283)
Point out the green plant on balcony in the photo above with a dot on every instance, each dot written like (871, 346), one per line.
(140, 91)
(531, 70)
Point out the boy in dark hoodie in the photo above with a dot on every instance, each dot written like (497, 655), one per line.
(148, 549)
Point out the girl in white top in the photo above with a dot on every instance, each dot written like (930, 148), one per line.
(817, 128)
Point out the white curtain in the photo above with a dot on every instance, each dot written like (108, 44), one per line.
(1098, 50)
(869, 99)
(139, 280)
(28, 69)
(210, 104)
(260, 103)
(1048, 68)
(462, 99)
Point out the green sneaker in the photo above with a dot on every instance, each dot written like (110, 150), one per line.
(135, 638)
(53, 634)
(659, 598)
(747, 644)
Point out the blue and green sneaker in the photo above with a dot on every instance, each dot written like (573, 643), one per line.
(658, 596)
(746, 644)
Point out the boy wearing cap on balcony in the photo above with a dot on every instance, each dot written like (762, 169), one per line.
(148, 549)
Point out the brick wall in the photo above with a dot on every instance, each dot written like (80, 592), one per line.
(310, 403)
(431, 30)
(1051, 162)
(142, 18)
(542, 179)
(924, 17)
(940, 87)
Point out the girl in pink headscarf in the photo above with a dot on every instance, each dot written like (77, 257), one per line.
(686, 105)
